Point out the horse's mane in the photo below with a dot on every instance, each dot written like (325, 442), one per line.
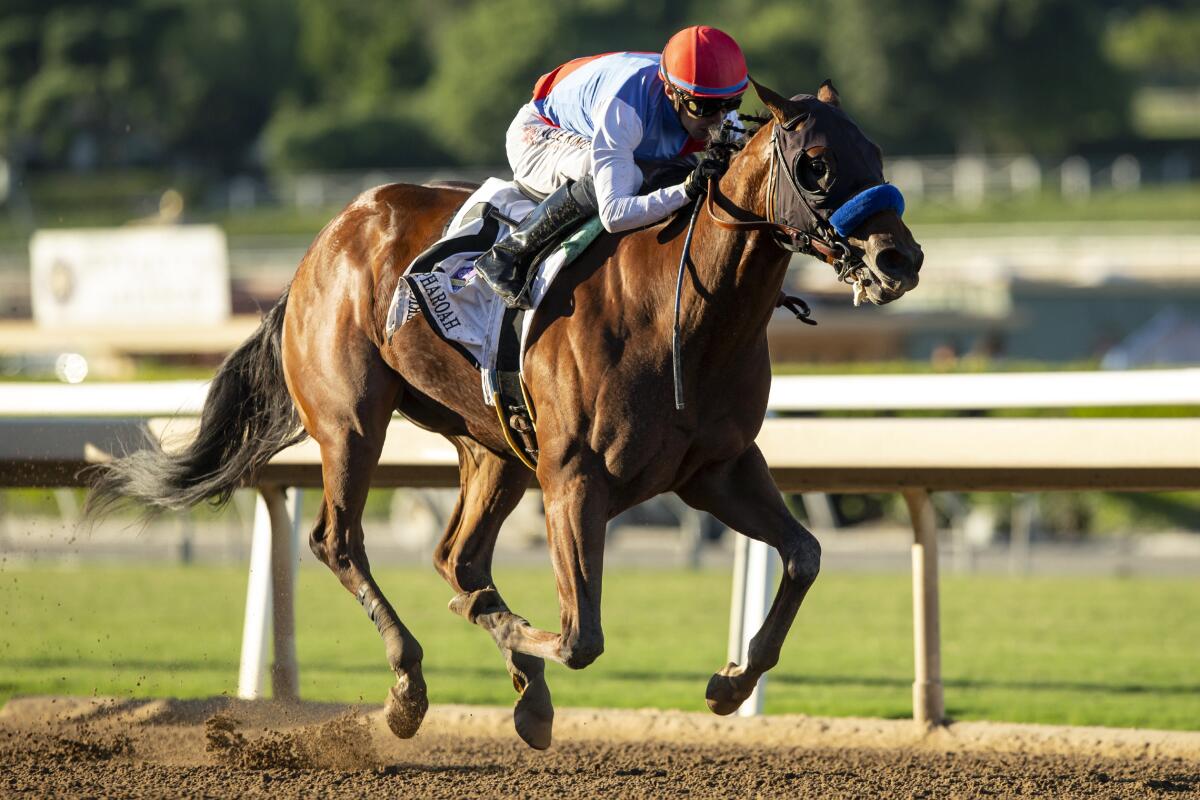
(733, 146)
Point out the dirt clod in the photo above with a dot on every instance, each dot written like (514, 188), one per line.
(341, 744)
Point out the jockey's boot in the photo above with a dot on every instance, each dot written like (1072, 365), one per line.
(506, 266)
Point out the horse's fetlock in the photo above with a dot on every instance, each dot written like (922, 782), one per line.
(404, 659)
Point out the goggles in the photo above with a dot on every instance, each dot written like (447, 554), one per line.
(706, 106)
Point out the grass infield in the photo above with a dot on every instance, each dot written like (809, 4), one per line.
(1094, 651)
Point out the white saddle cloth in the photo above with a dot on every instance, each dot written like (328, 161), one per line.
(459, 305)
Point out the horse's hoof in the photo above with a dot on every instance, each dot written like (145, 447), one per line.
(723, 693)
(533, 714)
(406, 705)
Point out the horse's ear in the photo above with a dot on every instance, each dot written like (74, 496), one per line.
(828, 94)
(776, 103)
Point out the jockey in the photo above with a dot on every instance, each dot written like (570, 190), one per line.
(592, 121)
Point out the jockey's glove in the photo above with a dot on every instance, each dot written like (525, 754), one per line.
(697, 183)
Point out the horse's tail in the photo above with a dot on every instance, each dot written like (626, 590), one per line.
(247, 418)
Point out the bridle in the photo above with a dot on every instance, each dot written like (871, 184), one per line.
(824, 243)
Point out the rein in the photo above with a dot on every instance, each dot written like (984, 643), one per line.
(676, 346)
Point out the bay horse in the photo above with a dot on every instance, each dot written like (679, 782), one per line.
(598, 372)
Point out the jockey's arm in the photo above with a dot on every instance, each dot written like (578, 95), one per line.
(618, 130)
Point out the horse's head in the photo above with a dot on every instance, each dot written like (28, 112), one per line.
(827, 194)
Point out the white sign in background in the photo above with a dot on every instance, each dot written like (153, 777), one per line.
(130, 277)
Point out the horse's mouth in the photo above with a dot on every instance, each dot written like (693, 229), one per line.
(890, 273)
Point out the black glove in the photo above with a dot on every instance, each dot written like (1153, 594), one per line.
(697, 183)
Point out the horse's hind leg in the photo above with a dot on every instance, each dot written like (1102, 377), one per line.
(346, 410)
(491, 488)
(741, 493)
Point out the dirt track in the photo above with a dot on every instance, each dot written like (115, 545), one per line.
(220, 748)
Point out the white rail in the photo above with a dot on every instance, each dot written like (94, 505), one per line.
(789, 393)
(47, 431)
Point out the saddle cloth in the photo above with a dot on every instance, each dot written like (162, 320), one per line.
(442, 284)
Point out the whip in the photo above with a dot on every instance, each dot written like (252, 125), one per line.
(676, 344)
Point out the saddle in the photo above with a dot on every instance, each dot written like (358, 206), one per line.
(441, 285)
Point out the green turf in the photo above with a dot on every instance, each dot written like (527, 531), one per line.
(1097, 651)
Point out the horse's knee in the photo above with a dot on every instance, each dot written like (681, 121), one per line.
(580, 649)
(804, 562)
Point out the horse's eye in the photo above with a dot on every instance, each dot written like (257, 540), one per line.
(814, 173)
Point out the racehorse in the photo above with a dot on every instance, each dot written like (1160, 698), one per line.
(599, 376)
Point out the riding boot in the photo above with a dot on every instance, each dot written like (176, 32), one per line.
(506, 266)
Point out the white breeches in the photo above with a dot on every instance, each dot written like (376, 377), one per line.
(543, 157)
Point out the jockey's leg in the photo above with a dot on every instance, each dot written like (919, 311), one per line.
(544, 157)
(506, 266)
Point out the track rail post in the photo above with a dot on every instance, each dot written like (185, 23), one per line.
(269, 597)
(753, 589)
(284, 507)
(928, 707)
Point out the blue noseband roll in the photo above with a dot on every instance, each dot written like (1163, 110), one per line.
(857, 209)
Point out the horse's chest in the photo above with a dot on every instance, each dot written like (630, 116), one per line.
(656, 451)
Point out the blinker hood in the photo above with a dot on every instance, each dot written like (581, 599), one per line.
(854, 188)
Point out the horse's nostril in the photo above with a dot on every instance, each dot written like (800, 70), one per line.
(892, 263)
(897, 269)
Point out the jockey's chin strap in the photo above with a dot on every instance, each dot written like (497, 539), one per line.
(827, 245)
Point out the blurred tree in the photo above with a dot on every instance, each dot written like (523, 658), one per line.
(308, 84)
(118, 82)
(975, 75)
(489, 57)
(1159, 44)
(938, 76)
(360, 68)
(222, 70)
(71, 79)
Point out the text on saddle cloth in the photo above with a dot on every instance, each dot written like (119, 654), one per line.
(462, 309)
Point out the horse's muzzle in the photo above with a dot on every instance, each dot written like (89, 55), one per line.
(895, 267)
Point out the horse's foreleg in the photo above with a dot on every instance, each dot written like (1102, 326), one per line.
(491, 488)
(576, 514)
(741, 493)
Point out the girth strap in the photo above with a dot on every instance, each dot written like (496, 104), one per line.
(513, 408)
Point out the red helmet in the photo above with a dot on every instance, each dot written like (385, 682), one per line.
(704, 62)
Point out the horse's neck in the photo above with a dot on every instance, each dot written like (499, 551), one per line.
(740, 272)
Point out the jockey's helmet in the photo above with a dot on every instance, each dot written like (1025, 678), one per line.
(704, 70)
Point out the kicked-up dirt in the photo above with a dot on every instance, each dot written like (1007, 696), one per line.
(224, 748)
